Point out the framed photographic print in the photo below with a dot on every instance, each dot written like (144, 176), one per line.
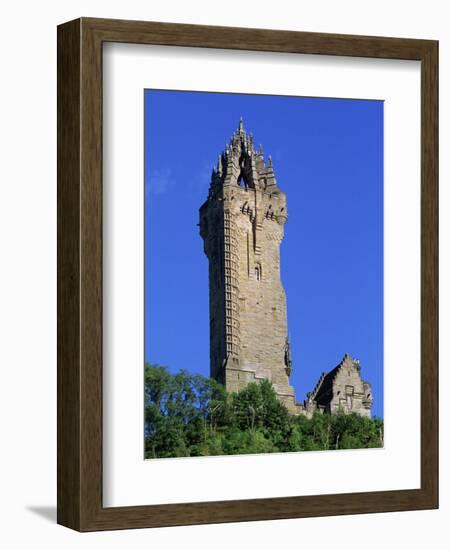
(247, 274)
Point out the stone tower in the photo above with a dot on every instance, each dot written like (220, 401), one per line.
(242, 224)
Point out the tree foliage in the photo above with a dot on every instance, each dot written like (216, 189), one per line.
(192, 415)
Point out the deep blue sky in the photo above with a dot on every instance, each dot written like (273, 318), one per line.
(328, 159)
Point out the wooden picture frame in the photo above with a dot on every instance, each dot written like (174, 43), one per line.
(80, 504)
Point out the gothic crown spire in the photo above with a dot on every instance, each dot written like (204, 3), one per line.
(241, 164)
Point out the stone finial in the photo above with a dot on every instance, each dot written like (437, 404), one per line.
(241, 129)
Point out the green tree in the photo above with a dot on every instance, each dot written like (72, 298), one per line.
(192, 415)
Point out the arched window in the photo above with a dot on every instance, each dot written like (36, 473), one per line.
(258, 272)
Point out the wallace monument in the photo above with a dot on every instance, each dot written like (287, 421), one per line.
(242, 225)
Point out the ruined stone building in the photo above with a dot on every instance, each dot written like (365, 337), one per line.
(242, 225)
(340, 388)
